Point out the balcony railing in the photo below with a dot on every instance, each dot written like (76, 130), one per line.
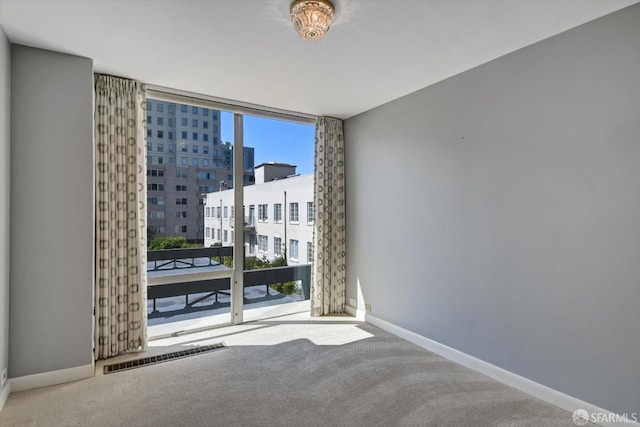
(249, 223)
(193, 272)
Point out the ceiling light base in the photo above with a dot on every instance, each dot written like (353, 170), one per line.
(312, 18)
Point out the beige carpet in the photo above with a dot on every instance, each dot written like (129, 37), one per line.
(290, 371)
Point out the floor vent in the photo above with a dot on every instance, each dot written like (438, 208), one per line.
(152, 360)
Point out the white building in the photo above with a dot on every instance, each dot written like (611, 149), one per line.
(278, 213)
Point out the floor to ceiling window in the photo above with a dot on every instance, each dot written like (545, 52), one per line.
(219, 252)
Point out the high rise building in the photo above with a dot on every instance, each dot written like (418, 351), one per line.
(185, 160)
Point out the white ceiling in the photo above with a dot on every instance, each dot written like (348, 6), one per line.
(247, 50)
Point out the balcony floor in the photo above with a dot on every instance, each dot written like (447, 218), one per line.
(204, 316)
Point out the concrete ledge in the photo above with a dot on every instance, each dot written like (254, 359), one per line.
(52, 378)
(554, 397)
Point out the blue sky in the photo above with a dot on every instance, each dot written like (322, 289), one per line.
(274, 140)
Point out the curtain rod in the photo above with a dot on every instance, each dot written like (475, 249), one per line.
(180, 96)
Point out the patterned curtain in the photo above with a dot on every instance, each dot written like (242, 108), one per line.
(121, 274)
(328, 284)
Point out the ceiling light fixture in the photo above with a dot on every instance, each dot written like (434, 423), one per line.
(312, 18)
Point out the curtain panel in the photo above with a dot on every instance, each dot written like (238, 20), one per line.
(329, 282)
(121, 277)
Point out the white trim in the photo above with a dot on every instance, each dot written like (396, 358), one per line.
(350, 310)
(239, 107)
(4, 394)
(358, 314)
(52, 378)
(547, 394)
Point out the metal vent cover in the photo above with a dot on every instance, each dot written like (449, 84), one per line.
(152, 360)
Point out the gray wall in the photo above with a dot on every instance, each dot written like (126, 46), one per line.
(511, 229)
(5, 102)
(51, 211)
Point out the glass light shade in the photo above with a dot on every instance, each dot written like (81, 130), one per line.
(312, 18)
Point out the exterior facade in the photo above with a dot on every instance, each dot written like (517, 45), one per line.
(278, 215)
(185, 159)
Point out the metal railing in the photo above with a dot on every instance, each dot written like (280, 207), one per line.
(183, 280)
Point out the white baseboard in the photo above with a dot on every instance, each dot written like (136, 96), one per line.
(542, 392)
(350, 310)
(4, 394)
(51, 378)
(358, 314)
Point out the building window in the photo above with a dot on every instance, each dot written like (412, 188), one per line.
(293, 213)
(207, 232)
(155, 187)
(184, 161)
(205, 137)
(205, 111)
(172, 109)
(180, 228)
(194, 123)
(149, 146)
(194, 162)
(181, 173)
(148, 105)
(226, 212)
(205, 124)
(309, 252)
(160, 120)
(155, 201)
(277, 212)
(195, 136)
(170, 122)
(181, 214)
(208, 212)
(160, 134)
(277, 246)
(171, 135)
(226, 236)
(205, 149)
(194, 148)
(214, 115)
(160, 148)
(183, 135)
(155, 172)
(218, 234)
(184, 121)
(181, 201)
(263, 243)
(149, 132)
(156, 214)
(161, 160)
(183, 108)
(172, 160)
(214, 128)
(293, 249)
(181, 188)
(205, 163)
(215, 139)
(218, 212)
(159, 108)
(262, 213)
(194, 110)
(309, 213)
(171, 147)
